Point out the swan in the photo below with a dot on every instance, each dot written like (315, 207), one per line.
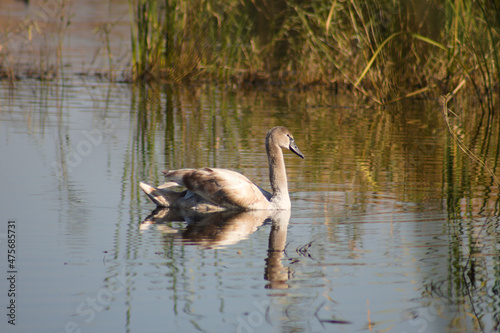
(214, 189)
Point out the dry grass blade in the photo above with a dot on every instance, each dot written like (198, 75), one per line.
(369, 65)
(330, 15)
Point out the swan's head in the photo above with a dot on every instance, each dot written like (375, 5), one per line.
(282, 137)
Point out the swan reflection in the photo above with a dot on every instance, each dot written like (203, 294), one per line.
(275, 272)
(220, 229)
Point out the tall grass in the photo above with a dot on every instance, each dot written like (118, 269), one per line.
(385, 49)
(147, 37)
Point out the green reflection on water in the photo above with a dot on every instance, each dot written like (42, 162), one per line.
(403, 151)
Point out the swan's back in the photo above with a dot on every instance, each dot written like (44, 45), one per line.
(222, 187)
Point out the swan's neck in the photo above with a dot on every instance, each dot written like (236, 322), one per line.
(277, 177)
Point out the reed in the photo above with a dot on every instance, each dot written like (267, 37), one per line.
(384, 49)
(148, 29)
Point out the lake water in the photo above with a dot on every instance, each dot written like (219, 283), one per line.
(393, 228)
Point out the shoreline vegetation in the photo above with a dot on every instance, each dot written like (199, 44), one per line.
(383, 50)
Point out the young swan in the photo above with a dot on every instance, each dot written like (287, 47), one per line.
(212, 189)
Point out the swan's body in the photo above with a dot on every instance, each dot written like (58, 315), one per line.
(210, 189)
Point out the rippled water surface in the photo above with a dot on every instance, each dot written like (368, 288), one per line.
(392, 228)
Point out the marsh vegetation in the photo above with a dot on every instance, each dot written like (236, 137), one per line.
(382, 49)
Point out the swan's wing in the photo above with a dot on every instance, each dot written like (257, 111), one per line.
(221, 186)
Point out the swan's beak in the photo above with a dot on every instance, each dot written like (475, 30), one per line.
(293, 147)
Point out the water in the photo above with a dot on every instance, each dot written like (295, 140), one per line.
(386, 210)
